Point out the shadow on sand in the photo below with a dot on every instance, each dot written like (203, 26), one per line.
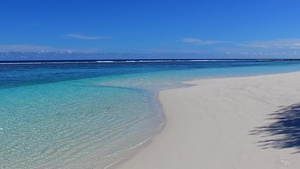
(285, 130)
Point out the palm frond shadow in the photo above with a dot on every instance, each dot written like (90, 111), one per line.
(284, 131)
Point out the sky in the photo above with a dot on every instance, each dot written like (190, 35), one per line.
(206, 28)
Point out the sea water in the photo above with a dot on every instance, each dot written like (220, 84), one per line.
(93, 114)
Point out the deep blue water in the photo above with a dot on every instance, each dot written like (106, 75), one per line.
(62, 115)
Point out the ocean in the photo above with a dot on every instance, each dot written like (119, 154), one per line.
(92, 114)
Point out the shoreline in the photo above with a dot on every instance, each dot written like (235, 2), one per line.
(218, 123)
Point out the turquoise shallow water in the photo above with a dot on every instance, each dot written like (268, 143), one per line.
(82, 115)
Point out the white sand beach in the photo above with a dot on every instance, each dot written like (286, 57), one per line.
(227, 123)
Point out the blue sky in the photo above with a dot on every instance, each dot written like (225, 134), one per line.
(229, 28)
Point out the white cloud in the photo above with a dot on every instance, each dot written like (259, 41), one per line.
(274, 44)
(24, 48)
(175, 51)
(202, 42)
(43, 49)
(77, 36)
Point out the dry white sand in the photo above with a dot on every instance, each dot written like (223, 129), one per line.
(210, 126)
